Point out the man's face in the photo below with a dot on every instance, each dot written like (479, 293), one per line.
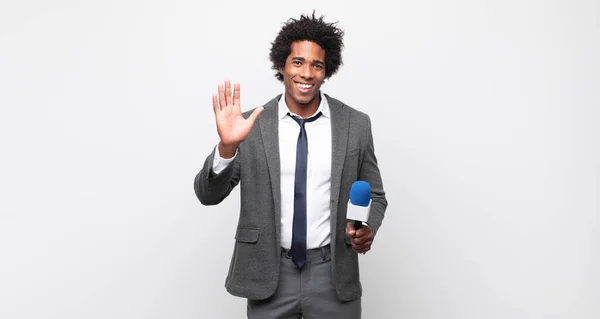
(304, 72)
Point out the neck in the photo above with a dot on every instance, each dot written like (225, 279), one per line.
(303, 110)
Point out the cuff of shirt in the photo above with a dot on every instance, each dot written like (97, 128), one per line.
(219, 163)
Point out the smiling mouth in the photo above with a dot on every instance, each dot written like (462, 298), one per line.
(304, 86)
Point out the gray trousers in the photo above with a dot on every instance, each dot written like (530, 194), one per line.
(308, 293)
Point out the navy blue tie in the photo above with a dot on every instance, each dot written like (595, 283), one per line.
(299, 227)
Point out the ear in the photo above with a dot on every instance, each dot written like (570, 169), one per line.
(281, 71)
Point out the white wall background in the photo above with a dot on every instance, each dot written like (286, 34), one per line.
(485, 119)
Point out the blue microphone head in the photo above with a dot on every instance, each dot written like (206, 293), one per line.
(360, 193)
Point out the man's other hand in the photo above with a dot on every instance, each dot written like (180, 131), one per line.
(361, 239)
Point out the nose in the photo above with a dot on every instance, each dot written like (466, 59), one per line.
(306, 71)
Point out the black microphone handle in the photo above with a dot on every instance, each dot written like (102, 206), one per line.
(358, 224)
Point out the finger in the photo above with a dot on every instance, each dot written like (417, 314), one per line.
(236, 94)
(361, 240)
(363, 231)
(228, 93)
(350, 229)
(215, 103)
(364, 246)
(222, 101)
(361, 250)
(252, 118)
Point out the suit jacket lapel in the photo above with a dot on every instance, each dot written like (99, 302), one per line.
(340, 123)
(269, 127)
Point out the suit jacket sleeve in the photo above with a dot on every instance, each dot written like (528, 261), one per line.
(211, 188)
(369, 172)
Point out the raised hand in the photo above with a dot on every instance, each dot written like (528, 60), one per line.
(232, 127)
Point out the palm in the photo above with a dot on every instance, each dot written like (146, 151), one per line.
(232, 127)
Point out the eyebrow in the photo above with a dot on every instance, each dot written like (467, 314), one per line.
(303, 60)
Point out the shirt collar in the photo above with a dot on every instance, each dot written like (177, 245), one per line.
(323, 107)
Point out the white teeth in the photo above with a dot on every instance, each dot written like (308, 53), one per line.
(304, 86)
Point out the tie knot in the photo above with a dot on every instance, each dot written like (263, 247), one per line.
(301, 121)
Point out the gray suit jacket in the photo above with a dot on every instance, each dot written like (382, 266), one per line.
(254, 268)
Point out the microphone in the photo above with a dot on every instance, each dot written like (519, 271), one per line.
(359, 205)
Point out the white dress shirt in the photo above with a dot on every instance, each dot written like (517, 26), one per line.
(318, 179)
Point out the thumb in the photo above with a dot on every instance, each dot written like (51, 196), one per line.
(350, 229)
(255, 114)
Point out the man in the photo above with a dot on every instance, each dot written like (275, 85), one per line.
(296, 254)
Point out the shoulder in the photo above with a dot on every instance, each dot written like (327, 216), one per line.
(272, 104)
(356, 117)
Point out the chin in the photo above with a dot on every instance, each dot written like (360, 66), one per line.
(302, 99)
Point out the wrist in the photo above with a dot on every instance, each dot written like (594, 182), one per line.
(227, 150)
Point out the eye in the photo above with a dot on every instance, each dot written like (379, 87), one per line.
(318, 66)
(296, 62)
